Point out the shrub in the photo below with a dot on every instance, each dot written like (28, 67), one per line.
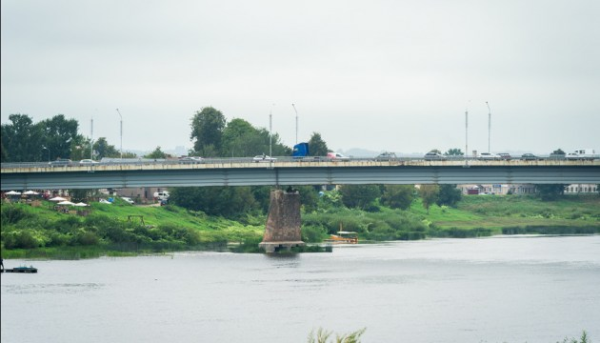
(313, 233)
(20, 240)
(86, 238)
(12, 214)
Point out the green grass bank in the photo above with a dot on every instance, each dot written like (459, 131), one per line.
(123, 229)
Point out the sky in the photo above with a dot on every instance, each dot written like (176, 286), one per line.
(378, 75)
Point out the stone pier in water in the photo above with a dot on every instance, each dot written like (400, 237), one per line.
(282, 230)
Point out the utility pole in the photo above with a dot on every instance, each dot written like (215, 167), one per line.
(92, 139)
(296, 122)
(467, 137)
(121, 134)
(489, 125)
(271, 132)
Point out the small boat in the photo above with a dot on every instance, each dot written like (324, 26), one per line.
(21, 269)
(343, 237)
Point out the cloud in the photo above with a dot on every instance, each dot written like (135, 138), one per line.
(382, 75)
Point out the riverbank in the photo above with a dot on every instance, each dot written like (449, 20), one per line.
(122, 229)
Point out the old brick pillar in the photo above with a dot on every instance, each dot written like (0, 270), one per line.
(282, 230)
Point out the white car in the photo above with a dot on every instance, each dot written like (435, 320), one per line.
(336, 156)
(126, 199)
(487, 156)
(263, 158)
(88, 161)
(191, 160)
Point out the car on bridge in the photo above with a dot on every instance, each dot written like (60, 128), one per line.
(434, 156)
(191, 160)
(505, 156)
(60, 162)
(88, 161)
(529, 157)
(336, 156)
(386, 156)
(558, 155)
(488, 156)
(263, 158)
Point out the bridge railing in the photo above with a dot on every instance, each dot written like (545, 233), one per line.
(234, 160)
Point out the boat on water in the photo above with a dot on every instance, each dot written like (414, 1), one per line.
(22, 269)
(343, 237)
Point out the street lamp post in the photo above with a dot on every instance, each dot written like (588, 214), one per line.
(92, 139)
(48, 150)
(271, 134)
(489, 126)
(294, 106)
(121, 133)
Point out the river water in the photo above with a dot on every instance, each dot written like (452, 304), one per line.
(497, 289)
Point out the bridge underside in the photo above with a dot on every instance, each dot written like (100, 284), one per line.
(68, 179)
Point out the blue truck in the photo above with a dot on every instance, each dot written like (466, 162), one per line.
(300, 151)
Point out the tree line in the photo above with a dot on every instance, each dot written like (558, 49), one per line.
(50, 139)
(212, 135)
(237, 202)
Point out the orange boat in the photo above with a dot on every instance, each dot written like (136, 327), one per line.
(343, 237)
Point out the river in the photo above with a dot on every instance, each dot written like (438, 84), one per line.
(497, 289)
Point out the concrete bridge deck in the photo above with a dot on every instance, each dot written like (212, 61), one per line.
(244, 172)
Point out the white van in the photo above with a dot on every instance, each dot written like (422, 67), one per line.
(164, 195)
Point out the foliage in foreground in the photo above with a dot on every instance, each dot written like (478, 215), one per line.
(322, 336)
(584, 339)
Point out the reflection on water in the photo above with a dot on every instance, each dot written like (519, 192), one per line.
(498, 289)
(51, 288)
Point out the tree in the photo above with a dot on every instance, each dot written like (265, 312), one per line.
(454, 152)
(429, 195)
(359, 196)
(80, 148)
(157, 153)
(59, 135)
(317, 145)
(103, 149)
(22, 141)
(549, 192)
(80, 195)
(449, 195)
(207, 130)
(4, 154)
(398, 196)
(229, 202)
(309, 198)
(242, 139)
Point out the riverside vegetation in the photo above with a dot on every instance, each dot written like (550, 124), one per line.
(322, 336)
(122, 228)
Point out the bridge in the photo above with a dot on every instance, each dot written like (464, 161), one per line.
(245, 172)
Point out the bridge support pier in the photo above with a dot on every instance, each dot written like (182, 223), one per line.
(282, 230)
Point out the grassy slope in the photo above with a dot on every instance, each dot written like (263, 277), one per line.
(487, 212)
(211, 228)
(494, 212)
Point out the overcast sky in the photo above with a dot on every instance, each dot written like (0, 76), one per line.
(379, 75)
